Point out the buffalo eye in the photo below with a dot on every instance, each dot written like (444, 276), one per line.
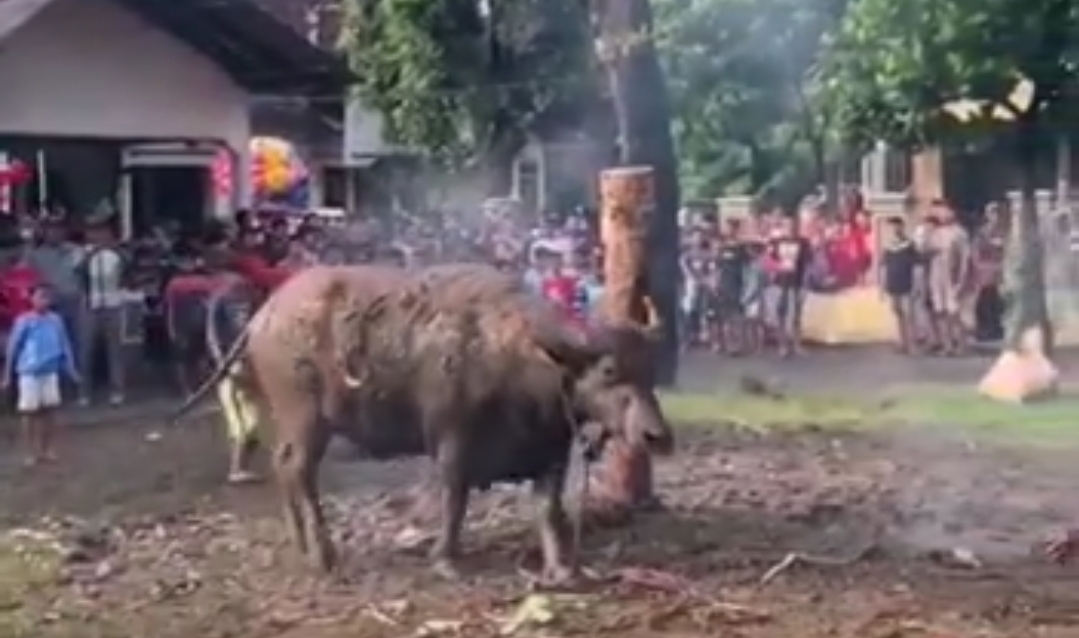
(608, 371)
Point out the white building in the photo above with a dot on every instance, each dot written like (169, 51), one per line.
(132, 100)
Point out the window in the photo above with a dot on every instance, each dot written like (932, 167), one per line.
(527, 181)
(896, 171)
(334, 187)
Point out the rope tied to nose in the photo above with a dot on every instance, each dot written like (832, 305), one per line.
(589, 442)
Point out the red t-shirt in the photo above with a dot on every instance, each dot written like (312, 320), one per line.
(259, 272)
(562, 290)
(16, 287)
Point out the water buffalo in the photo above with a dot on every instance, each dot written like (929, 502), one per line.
(475, 372)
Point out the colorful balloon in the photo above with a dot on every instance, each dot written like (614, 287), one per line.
(276, 168)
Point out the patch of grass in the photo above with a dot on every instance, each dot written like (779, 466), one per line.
(749, 410)
(28, 565)
(1051, 422)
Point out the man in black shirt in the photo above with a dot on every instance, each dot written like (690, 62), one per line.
(897, 270)
(730, 264)
(791, 255)
(697, 306)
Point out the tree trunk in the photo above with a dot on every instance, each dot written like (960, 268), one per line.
(498, 166)
(1023, 371)
(639, 95)
(759, 169)
(1064, 171)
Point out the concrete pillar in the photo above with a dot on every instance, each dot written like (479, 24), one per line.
(875, 169)
(927, 176)
(243, 188)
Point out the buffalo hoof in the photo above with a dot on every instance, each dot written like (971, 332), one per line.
(446, 568)
(650, 504)
(559, 576)
(324, 558)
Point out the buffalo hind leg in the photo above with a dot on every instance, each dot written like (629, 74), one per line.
(554, 528)
(296, 460)
(287, 471)
(321, 547)
(455, 492)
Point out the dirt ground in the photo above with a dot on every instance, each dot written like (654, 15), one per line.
(895, 534)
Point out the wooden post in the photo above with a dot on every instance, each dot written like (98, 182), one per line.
(627, 202)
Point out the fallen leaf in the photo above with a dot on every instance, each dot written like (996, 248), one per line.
(654, 579)
(432, 628)
(411, 538)
(537, 610)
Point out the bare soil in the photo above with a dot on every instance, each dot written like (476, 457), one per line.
(898, 534)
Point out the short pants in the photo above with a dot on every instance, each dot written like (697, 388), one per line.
(241, 417)
(38, 392)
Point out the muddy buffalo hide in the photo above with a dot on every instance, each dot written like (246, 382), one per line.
(467, 371)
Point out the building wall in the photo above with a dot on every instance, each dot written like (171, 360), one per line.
(92, 69)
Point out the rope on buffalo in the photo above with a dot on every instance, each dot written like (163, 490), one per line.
(587, 452)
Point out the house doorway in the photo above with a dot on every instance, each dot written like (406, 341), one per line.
(176, 194)
(168, 182)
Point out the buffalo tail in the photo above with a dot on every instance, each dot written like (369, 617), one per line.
(223, 361)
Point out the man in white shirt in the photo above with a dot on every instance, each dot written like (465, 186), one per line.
(102, 272)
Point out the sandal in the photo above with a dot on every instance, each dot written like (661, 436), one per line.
(241, 477)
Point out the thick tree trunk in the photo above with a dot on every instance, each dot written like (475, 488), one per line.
(498, 167)
(1023, 371)
(639, 95)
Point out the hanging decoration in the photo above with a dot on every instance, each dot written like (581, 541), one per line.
(14, 173)
(277, 171)
(221, 172)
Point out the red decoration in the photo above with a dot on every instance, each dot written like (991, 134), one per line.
(14, 173)
(222, 174)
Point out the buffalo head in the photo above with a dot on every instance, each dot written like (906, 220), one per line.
(611, 369)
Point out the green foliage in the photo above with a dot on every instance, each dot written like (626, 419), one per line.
(894, 65)
(742, 79)
(458, 82)
(898, 70)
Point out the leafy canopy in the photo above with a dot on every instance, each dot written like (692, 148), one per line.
(742, 79)
(899, 70)
(458, 78)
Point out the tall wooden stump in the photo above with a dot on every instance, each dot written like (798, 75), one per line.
(624, 476)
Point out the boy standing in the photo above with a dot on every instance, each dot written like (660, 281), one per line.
(38, 352)
(791, 254)
(897, 273)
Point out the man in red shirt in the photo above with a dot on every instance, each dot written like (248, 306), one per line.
(252, 264)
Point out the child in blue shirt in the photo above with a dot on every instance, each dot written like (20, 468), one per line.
(38, 352)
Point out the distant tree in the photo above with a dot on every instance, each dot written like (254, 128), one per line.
(921, 72)
(468, 81)
(743, 77)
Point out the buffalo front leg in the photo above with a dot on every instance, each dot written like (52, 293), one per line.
(454, 496)
(554, 529)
